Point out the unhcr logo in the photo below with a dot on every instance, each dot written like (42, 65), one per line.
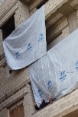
(17, 54)
(76, 65)
(39, 93)
(41, 37)
(29, 46)
(49, 84)
(63, 75)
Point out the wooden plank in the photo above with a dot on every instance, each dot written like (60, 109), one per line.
(21, 110)
(12, 113)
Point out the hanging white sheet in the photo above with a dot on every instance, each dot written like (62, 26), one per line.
(56, 73)
(27, 43)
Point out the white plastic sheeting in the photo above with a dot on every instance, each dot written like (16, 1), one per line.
(56, 74)
(27, 43)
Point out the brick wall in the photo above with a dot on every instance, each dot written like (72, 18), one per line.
(4, 113)
(22, 13)
(62, 28)
(15, 85)
(10, 82)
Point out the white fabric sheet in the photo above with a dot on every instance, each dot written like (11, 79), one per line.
(27, 43)
(56, 74)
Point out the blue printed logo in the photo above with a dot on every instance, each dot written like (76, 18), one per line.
(49, 84)
(76, 65)
(29, 46)
(62, 75)
(41, 37)
(17, 54)
(39, 93)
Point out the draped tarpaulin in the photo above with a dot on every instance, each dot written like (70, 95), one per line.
(27, 43)
(56, 73)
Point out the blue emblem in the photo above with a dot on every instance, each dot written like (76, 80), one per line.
(41, 37)
(62, 75)
(17, 54)
(49, 84)
(29, 46)
(76, 64)
(39, 93)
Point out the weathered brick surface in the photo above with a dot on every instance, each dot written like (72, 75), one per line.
(6, 7)
(28, 104)
(21, 14)
(12, 85)
(1, 47)
(9, 83)
(65, 32)
(4, 113)
(72, 20)
(15, 85)
(8, 15)
(15, 97)
(61, 107)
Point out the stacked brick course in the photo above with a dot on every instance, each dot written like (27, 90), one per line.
(15, 85)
